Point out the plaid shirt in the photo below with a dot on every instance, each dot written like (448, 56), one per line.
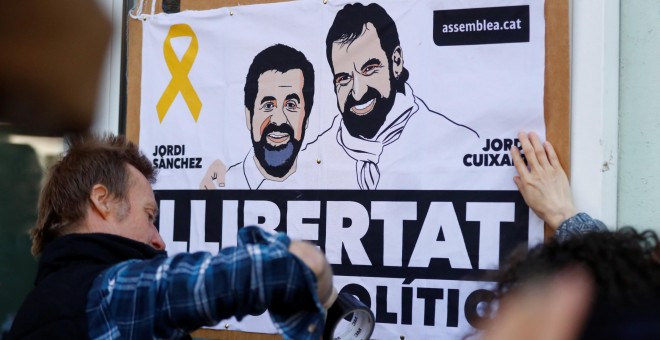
(167, 297)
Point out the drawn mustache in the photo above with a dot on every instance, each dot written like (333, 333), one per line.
(369, 95)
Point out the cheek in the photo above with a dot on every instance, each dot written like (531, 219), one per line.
(300, 126)
(148, 232)
(263, 126)
(259, 123)
(381, 83)
(342, 94)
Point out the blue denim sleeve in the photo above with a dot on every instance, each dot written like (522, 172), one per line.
(579, 224)
(167, 297)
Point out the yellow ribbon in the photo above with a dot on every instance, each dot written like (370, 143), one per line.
(179, 70)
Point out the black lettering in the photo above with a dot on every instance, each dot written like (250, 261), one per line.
(430, 295)
(493, 159)
(155, 151)
(466, 161)
(452, 308)
(494, 25)
(478, 160)
(496, 144)
(177, 150)
(161, 163)
(487, 147)
(182, 228)
(199, 163)
(161, 150)
(374, 247)
(507, 144)
(170, 150)
(506, 160)
(406, 305)
(382, 315)
(472, 307)
(359, 292)
(155, 163)
(170, 163)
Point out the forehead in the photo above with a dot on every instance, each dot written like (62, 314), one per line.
(365, 47)
(272, 83)
(139, 186)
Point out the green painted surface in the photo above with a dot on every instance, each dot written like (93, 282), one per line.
(639, 115)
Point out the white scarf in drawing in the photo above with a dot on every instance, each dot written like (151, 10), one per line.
(367, 152)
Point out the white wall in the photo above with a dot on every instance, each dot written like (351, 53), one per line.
(107, 107)
(639, 115)
(594, 106)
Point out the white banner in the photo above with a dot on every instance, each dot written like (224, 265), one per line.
(380, 132)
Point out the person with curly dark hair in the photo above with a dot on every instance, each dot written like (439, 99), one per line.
(613, 278)
(624, 264)
(582, 283)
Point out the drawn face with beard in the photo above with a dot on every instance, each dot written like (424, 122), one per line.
(363, 83)
(278, 122)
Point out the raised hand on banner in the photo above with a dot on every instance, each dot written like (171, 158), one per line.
(215, 176)
(542, 181)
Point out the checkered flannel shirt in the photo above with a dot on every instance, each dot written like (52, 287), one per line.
(167, 297)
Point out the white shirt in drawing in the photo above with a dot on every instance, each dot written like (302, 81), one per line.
(414, 149)
(246, 175)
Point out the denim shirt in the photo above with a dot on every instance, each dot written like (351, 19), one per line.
(579, 224)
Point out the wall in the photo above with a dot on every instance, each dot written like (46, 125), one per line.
(639, 115)
(594, 106)
(108, 104)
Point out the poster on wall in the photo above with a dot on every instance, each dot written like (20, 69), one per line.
(381, 132)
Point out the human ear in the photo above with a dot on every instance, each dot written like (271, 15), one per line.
(100, 199)
(397, 61)
(248, 122)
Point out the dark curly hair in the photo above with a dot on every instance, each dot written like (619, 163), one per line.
(624, 265)
(349, 25)
(280, 58)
